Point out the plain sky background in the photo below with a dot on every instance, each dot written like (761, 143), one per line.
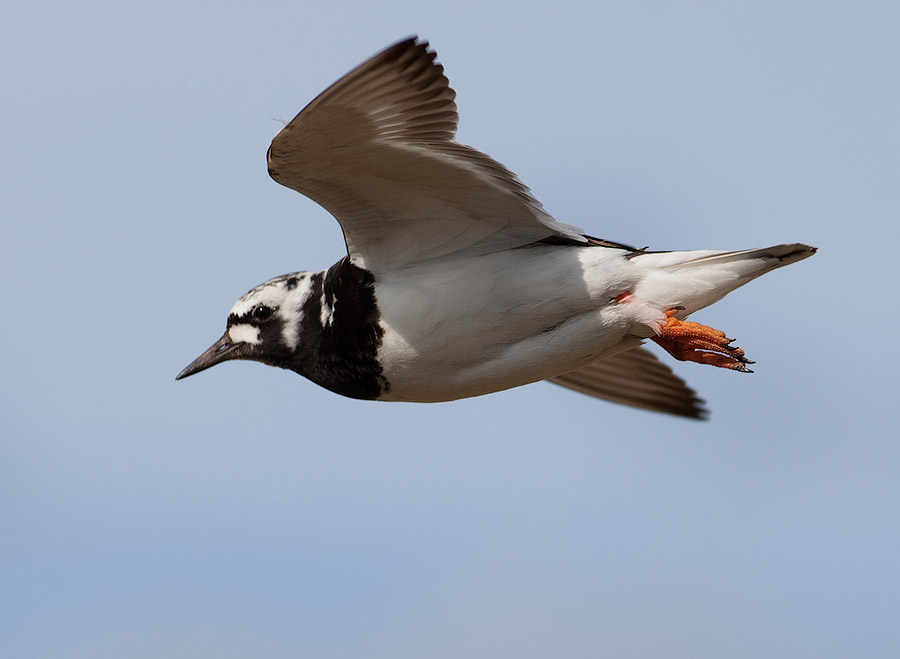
(247, 513)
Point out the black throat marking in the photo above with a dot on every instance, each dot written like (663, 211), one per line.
(338, 350)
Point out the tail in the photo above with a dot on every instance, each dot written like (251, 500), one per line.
(696, 279)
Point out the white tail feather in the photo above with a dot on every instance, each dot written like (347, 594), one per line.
(696, 279)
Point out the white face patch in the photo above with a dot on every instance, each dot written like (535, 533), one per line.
(286, 295)
(244, 333)
(291, 329)
(271, 294)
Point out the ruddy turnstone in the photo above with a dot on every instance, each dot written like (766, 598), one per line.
(457, 282)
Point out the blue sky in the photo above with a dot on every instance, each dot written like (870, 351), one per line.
(245, 512)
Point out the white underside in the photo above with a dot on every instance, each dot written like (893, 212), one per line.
(470, 326)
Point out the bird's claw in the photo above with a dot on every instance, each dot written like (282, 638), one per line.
(693, 342)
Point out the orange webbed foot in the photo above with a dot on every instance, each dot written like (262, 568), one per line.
(693, 342)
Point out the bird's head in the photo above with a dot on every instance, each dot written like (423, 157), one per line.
(264, 325)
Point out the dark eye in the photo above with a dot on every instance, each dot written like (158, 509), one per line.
(261, 313)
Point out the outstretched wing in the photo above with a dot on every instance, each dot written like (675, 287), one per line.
(636, 378)
(377, 149)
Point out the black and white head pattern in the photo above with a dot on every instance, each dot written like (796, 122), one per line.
(323, 325)
(269, 316)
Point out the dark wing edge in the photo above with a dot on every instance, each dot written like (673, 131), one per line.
(638, 379)
(378, 146)
(399, 94)
(404, 87)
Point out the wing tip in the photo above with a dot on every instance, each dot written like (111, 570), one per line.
(794, 252)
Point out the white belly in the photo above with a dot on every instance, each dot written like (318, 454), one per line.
(472, 326)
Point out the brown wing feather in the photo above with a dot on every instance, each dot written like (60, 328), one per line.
(377, 150)
(636, 378)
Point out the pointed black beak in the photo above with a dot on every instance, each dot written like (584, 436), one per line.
(220, 351)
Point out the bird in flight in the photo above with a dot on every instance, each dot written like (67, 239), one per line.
(457, 282)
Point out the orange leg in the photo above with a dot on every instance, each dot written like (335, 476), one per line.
(694, 342)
